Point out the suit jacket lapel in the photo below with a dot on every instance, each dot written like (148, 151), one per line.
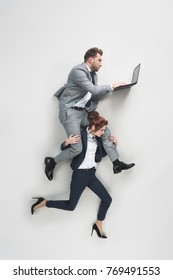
(88, 72)
(84, 139)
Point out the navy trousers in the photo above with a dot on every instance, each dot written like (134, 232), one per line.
(81, 179)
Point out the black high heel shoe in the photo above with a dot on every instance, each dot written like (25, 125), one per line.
(97, 231)
(40, 199)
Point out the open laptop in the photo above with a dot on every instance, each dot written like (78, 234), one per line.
(134, 79)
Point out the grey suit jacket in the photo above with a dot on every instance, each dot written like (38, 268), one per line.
(79, 82)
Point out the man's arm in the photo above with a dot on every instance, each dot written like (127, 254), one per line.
(80, 76)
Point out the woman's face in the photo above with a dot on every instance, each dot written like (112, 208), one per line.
(99, 132)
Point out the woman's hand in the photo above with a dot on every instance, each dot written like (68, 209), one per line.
(72, 139)
(112, 139)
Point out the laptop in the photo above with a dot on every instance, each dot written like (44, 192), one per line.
(134, 79)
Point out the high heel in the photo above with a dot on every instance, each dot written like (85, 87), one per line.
(40, 199)
(97, 231)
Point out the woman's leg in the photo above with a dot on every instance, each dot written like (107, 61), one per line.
(78, 184)
(97, 187)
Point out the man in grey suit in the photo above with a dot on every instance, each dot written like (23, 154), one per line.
(77, 97)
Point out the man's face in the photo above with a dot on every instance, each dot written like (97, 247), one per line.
(96, 62)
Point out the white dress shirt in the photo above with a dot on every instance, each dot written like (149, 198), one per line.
(82, 102)
(89, 160)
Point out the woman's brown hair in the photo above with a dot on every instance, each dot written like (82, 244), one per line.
(96, 120)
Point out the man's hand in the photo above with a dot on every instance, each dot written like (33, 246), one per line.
(115, 85)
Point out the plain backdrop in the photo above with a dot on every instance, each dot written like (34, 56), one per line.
(41, 40)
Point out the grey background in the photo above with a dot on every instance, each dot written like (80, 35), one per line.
(41, 41)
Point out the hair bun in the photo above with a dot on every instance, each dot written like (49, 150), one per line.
(92, 115)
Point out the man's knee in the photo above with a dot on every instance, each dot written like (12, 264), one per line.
(106, 134)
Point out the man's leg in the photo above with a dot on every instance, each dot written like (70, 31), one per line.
(71, 121)
(113, 154)
(71, 125)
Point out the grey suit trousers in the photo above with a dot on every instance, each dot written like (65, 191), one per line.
(72, 121)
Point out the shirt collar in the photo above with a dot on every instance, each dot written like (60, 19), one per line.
(90, 136)
(88, 68)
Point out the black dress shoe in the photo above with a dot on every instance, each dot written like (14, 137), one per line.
(125, 166)
(50, 165)
(117, 168)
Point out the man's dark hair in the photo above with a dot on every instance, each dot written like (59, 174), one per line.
(92, 53)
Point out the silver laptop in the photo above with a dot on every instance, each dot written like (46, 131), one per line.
(134, 79)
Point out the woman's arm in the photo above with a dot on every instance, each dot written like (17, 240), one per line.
(113, 139)
(72, 139)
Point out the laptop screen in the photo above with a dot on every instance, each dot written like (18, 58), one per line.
(136, 74)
